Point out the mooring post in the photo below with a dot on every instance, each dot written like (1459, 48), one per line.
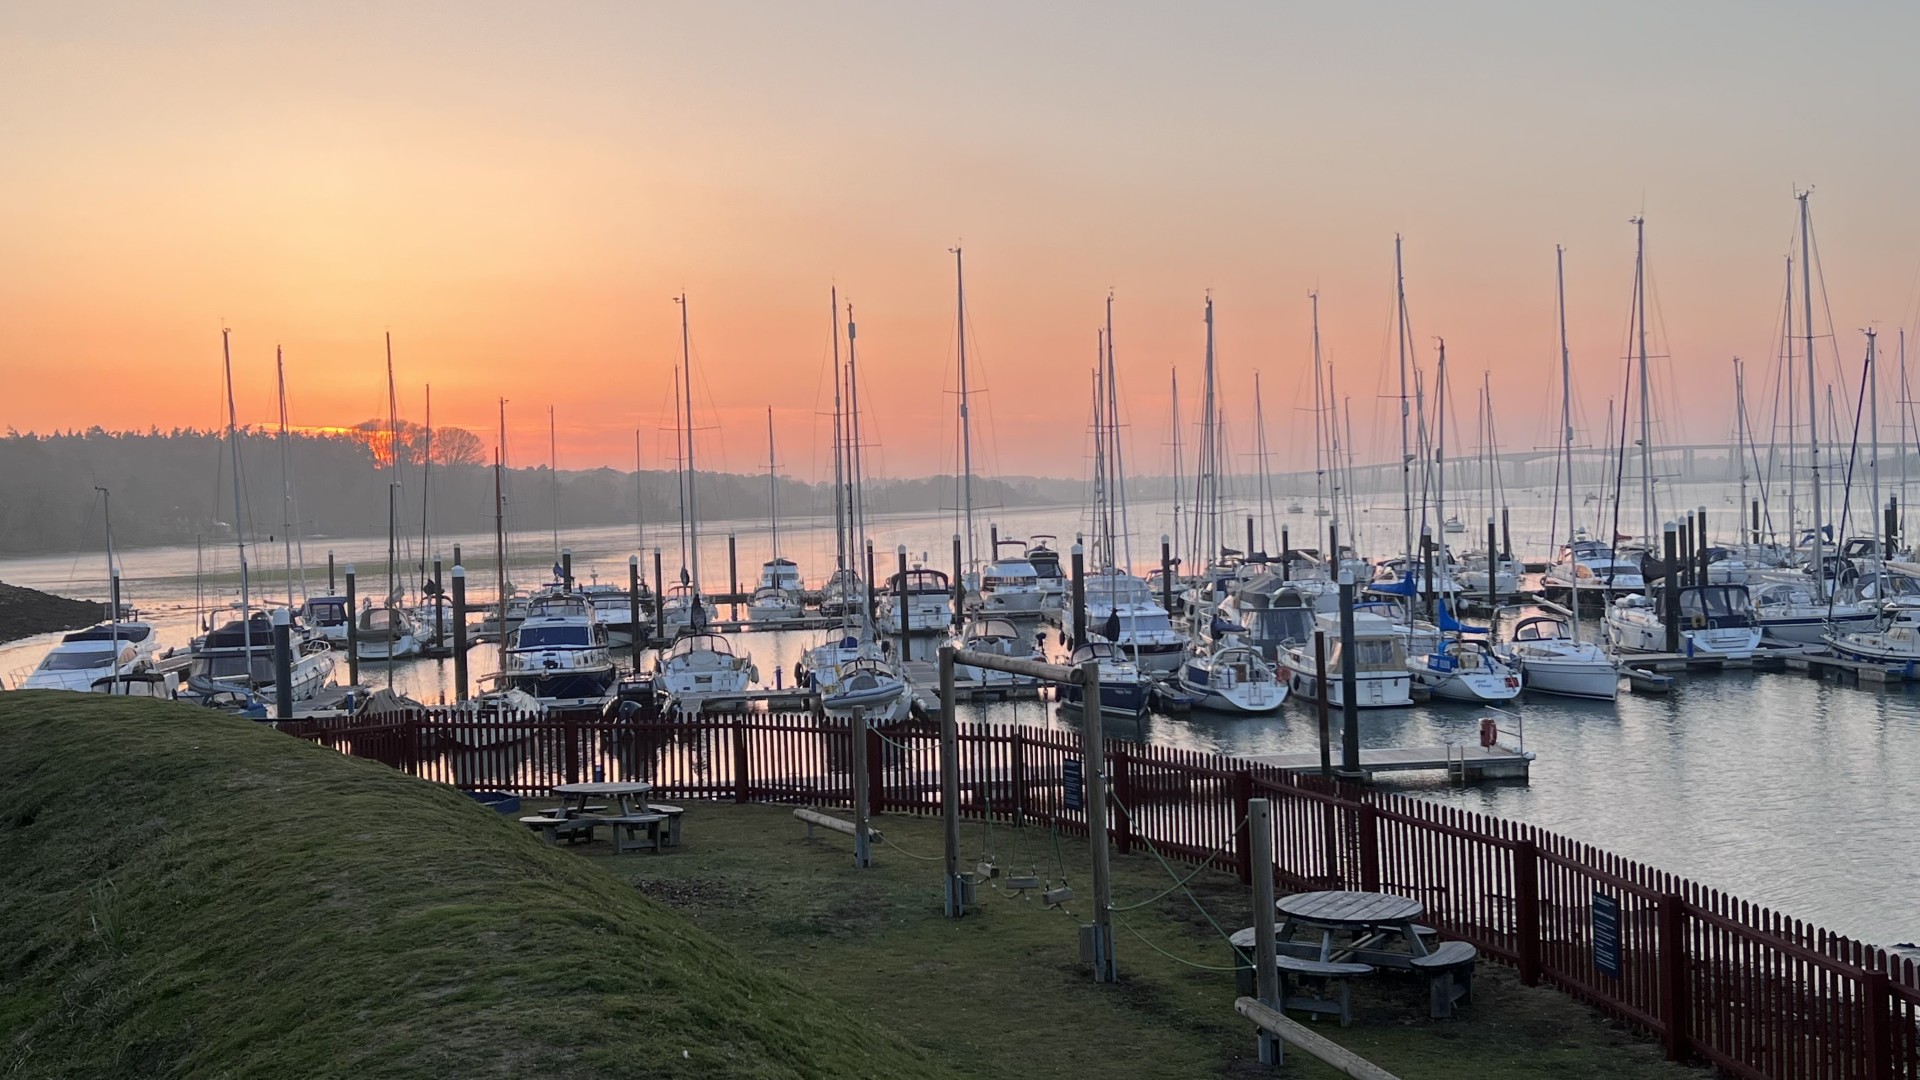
(862, 842)
(1249, 550)
(1493, 569)
(1891, 527)
(282, 663)
(1700, 516)
(659, 609)
(1105, 970)
(955, 888)
(1166, 573)
(456, 555)
(1506, 535)
(1266, 946)
(1670, 587)
(330, 579)
(733, 575)
(1756, 521)
(901, 606)
(566, 569)
(633, 605)
(353, 630)
(1426, 565)
(870, 586)
(1349, 685)
(1320, 702)
(959, 586)
(1079, 565)
(439, 608)
(459, 632)
(1286, 545)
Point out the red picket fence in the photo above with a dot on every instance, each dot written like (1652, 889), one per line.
(1713, 977)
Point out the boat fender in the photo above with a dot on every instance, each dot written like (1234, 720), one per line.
(1489, 731)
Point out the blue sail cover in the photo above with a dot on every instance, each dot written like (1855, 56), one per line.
(1445, 620)
(1404, 587)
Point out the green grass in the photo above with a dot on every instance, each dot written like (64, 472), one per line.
(192, 895)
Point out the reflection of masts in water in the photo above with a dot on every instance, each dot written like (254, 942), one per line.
(239, 512)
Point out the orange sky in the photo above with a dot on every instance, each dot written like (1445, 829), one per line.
(516, 193)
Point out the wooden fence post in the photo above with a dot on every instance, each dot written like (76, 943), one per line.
(1673, 976)
(740, 778)
(875, 774)
(1242, 850)
(1019, 777)
(571, 733)
(1368, 826)
(1122, 794)
(1876, 1003)
(1526, 908)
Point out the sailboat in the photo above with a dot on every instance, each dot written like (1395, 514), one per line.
(1715, 620)
(777, 598)
(699, 666)
(389, 630)
(849, 670)
(1547, 649)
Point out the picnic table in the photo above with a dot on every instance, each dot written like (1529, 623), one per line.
(574, 797)
(1358, 932)
(1367, 919)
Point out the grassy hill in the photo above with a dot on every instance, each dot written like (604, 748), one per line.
(191, 895)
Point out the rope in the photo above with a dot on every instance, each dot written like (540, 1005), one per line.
(1205, 865)
(1218, 929)
(909, 854)
(1179, 959)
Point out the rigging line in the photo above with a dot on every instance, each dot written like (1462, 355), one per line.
(1206, 863)
(1168, 867)
(1179, 959)
(1846, 494)
(909, 854)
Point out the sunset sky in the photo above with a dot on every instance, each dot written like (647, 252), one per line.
(517, 191)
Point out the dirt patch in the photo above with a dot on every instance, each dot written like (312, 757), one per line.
(26, 612)
(695, 894)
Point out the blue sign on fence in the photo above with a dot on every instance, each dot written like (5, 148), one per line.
(1076, 788)
(1606, 935)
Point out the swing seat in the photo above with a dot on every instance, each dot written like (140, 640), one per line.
(1056, 897)
(1023, 882)
(986, 869)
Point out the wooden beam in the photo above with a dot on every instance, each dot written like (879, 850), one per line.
(1304, 1038)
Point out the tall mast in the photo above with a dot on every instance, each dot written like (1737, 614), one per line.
(1813, 398)
(553, 478)
(500, 536)
(1319, 426)
(1268, 523)
(773, 491)
(426, 487)
(1740, 430)
(1406, 438)
(286, 486)
(1566, 414)
(639, 489)
(1206, 508)
(1873, 423)
(693, 508)
(966, 425)
(1340, 480)
(1440, 462)
(839, 438)
(1102, 520)
(1117, 478)
(239, 513)
(1651, 527)
(1793, 411)
(1179, 466)
(856, 503)
(393, 468)
(1905, 402)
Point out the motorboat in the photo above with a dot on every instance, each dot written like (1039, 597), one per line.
(774, 604)
(1598, 570)
(1898, 643)
(1380, 663)
(844, 597)
(1270, 615)
(1398, 577)
(1465, 669)
(699, 668)
(995, 637)
(1790, 612)
(1044, 555)
(864, 681)
(326, 618)
(235, 662)
(1715, 621)
(1551, 660)
(559, 654)
(923, 596)
(1232, 677)
(496, 625)
(1453, 525)
(1125, 690)
(613, 610)
(1474, 570)
(98, 652)
(1121, 609)
(682, 609)
(387, 632)
(781, 572)
(1010, 585)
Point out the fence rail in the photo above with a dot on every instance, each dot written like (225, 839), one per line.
(1713, 977)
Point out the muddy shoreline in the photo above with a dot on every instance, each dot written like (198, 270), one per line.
(26, 612)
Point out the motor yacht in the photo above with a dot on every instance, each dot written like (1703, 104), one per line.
(1601, 572)
(235, 663)
(995, 637)
(559, 654)
(1789, 611)
(1715, 621)
(386, 632)
(1125, 690)
(924, 596)
(1380, 663)
(84, 657)
(699, 668)
(1044, 555)
(1010, 585)
(1121, 609)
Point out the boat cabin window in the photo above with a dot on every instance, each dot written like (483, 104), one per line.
(125, 632)
(692, 643)
(327, 612)
(1283, 624)
(1716, 602)
(77, 659)
(548, 637)
(1541, 630)
(382, 619)
(234, 668)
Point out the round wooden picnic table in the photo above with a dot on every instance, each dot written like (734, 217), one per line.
(624, 791)
(1350, 909)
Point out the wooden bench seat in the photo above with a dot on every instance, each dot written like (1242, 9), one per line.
(1450, 968)
(673, 814)
(1311, 978)
(555, 829)
(627, 829)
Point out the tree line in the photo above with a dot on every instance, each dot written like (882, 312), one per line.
(175, 486)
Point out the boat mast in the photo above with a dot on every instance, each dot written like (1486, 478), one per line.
(1813, 398)
(393, 470)
(1319, 425)
(1740, 430)
(1102, 518)
(426, 490)
(1406, 439)
(773, 495)
(1873, 423)
(1566, 423)
(1793, 413)
(1905, 404)
(1179, 471)
(553, 479)
(639, 489)
(1650, 526)
(239, 515)
(500, 536)
(1270, 522)
(839, 439)
(1440, 468)
(1206, 480)
(113, 594)
(966, 423)
(856, 502)
(693, 509)
(1119, 473)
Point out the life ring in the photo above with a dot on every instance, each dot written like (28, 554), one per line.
(1699, 622)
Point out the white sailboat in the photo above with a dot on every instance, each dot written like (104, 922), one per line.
(777, 597)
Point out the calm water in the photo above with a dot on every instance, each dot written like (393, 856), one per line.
(1793, 793)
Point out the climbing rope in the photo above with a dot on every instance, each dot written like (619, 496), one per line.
(1177, 879)
(1178, 959)
(909, 854)
(1205, 865)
